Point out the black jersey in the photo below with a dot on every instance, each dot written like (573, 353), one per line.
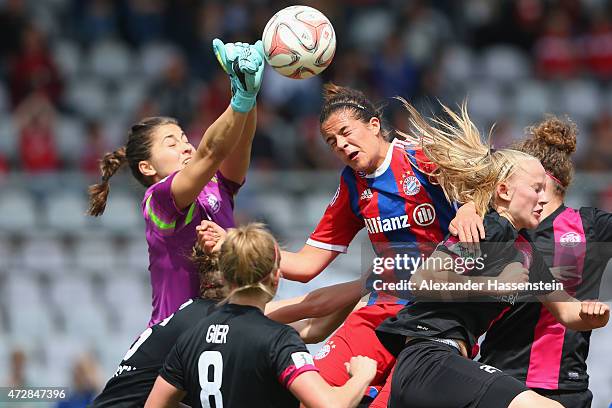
(543, 353)
(467, 320)
(132, 382)
(237, 357)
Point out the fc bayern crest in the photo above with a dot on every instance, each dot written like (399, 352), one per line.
(411, 185)
(325, 350)
(213, 203)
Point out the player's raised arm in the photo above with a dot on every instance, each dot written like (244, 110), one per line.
(244, 65)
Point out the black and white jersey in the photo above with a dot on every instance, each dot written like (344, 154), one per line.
(237, 357)
(467, 320)
(134, 379)
(528, 342)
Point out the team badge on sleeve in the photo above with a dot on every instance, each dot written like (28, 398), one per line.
(213, 203)
(301, 359)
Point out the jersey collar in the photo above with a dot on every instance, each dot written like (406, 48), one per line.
(548, 221)
(385, 164)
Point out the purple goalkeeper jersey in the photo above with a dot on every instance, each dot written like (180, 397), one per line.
(171, 235)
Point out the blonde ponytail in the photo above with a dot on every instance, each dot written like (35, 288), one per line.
(248, 256)
(467, 168)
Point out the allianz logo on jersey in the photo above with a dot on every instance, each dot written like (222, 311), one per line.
(376, 225)
(423, 215)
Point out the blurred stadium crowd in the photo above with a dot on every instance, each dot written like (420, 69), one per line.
(75, 74)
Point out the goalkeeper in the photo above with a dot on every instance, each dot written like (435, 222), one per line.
(186, 185)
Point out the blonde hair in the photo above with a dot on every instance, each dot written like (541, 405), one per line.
(467, 168)
(247, 257)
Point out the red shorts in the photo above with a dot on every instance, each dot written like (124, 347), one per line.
(356, 337)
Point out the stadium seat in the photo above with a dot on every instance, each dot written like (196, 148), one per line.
(42, 254)
(87, 321)
(18, 287)
(371, 28)
(67, 56)
(579, 99)
(88, 97)
(531, 99)
(6, 254)
(278, 209)
(505, 64)
(96, 253)
(485, 101)
(65, 212)
(9, 138)
(313, 207)
(112, 347)
(137, 255)
(60, 351)
(71, 291)
(30, 319)
(458, 65)
(126, 290)
(153, 58)
(129, 95)
(17, 212)
(71, 138)
(110, 60)
(132, 319)
(122, 214)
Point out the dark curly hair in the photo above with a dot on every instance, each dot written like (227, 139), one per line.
(212, 284)
(553, 141)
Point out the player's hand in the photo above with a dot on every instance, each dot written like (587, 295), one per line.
(210, 236)
(468, 226)
(362, 367)
(514, 273)
(596, 314)
(244, 65)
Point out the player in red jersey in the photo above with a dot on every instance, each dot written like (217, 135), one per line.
(384, 188)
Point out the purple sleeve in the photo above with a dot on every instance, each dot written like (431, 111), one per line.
(229, 186)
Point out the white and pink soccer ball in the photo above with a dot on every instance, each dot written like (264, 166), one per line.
(299, 42)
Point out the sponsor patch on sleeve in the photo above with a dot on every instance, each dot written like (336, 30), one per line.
(302, 358)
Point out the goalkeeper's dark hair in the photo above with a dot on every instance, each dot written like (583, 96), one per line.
(138, 148)
(336, 97)
(212, 284)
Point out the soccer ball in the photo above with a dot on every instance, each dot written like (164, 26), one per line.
(299, 42)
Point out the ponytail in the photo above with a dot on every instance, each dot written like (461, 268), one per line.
(467, 168)
(248, 256)
(98, 193)
(212, 284)
(137, 149)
